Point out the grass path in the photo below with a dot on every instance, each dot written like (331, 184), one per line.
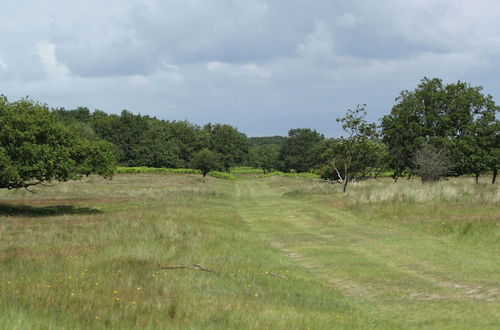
(390, 271)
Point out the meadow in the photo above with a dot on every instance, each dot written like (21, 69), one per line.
(271, 252)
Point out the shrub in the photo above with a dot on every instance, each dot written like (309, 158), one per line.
(221, 175)
(207, 160)
(431, 163)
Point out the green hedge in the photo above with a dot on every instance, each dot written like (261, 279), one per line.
(246, 170)
(125, 170)
(215, 174)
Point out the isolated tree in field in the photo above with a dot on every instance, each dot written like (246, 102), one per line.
(35, 147)
(228, 142)
(431, 163)
(264, 157)
(207, 160)
(358, 156)
(456, 116)
(301, 151)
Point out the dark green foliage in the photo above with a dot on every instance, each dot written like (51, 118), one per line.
(146, 141)
(263, 152)
(302, 150)
(36, 147)
(456, 116)
(264, 157)
(141, 140)
(266, 140)
(206, 161)
(228, 142)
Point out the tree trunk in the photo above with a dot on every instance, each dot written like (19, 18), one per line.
(494, 177)
(477, 178)
(346, 180)
(395, 177)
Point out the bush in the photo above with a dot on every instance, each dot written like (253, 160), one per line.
(431, 163)
(206, 161)
(221, 175)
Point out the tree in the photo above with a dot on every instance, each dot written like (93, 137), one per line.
(301, 151)
(228, 142)
(264, 156)
(266, 140)
(35, 147)
(431, 163)
(206, 160)
(456, 116)
(359, 156)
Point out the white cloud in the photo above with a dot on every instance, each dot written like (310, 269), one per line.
(348, 20)
(3, 65)
(235, 70)
(47, 54)
(318, 44)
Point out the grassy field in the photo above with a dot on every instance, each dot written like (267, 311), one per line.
(285, 253)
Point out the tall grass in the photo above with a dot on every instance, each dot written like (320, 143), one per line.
(414, 191)
(289, 175)
(456, 206)
(286, 253)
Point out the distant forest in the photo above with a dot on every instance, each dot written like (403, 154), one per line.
(147, 141)
(434, 131)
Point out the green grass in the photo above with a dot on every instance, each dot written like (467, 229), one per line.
(287, 253)
(222, 175)
(290, 175)
(246, 170)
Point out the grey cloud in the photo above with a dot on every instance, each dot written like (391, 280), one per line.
(264, 66)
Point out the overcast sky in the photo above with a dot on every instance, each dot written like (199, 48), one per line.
(264, 66)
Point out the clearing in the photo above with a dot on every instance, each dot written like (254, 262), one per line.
(285, 253)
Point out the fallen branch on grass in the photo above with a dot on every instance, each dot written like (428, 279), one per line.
(278, 275)
(195, 267)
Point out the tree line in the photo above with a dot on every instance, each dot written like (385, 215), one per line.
(435, 130)
(147, 141)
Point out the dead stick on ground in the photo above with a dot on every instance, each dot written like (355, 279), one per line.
(194, 267)
(201, 267)
(173, 267)
(278, 275)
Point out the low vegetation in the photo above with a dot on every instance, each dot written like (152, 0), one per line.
(277, 252)
(158, 170)
(161, 170)
(289, 175)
